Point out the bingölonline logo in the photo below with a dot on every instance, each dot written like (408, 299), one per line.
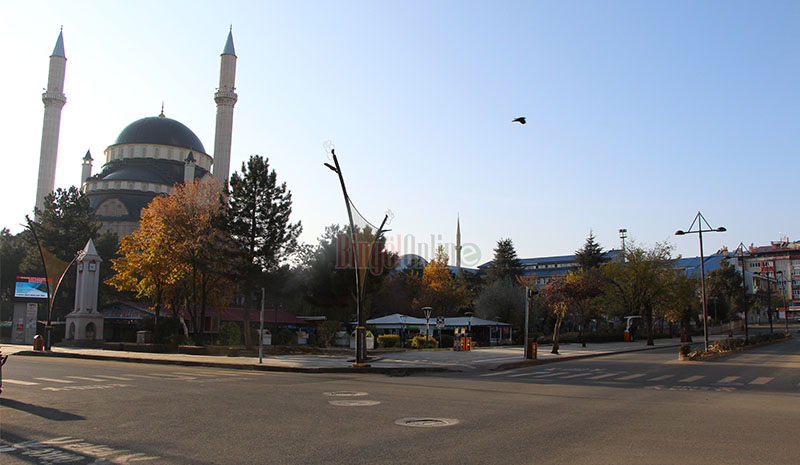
(369, 254)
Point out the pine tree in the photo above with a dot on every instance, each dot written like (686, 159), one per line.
(258, 214)
(506, 264)
(591, 255)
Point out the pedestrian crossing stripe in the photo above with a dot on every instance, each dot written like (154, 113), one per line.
(501, 373)
(630, 377)
(577, 375)
(63, 381)
(728, 380)
(84, 378)
(691, 379)
(763, 380)
(607, 375)
(660, 378)
(116, 378)
(21, 383)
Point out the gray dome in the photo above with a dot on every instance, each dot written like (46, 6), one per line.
(161, 131)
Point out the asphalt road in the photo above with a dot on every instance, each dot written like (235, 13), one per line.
(642, 407)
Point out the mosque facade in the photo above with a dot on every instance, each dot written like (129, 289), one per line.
(149, 157)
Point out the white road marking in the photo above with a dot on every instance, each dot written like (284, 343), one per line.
(762, 380)
(607, 375)
(549, 375)
(577, 375)
(691, 379)
(494, 359)
(63, 381)
(660, 378)
(728, 380)
(117, 378)
(630, 377)
(498, 373)
(83, 378)
(169, 376)
(22, 383)
(142, 376)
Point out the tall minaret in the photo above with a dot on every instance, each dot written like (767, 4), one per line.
(86, 169)
(54, 100)
(458, 244)
(226, 98)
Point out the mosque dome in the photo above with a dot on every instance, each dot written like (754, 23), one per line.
(160, 130)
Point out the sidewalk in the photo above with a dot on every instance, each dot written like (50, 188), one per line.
(389, 362)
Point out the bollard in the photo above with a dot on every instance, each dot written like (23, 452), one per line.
(38, 342)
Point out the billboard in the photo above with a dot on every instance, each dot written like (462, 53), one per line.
(29, 287)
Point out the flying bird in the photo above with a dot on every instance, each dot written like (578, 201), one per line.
(520, 120)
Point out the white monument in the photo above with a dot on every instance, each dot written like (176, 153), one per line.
(85, 322)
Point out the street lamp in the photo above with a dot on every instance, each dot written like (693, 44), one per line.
(427, 311)
(699, 219)
(781, 284)
(744, 289)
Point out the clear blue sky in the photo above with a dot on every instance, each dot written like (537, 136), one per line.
(639, 113)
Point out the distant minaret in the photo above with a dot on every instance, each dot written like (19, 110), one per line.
(86, 171)
(226, 98)
(458, 245)
(54, 100)
(188, 168)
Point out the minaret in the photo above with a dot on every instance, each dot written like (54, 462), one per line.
(54, 100)
(458, 245)
(86, 170)
(226, 98)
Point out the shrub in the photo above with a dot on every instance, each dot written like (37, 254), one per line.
(389, 340)
(685, 349)
(285, 337)
(422, 342)
(324, 333)
(230, 334)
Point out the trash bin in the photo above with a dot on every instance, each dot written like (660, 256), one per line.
(38, 342)
(533, 348)
(627, 336)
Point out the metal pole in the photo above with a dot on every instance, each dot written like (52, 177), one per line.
(744, 291)
(703, 288)
(261, 330)
(769, 304)
(526, 351)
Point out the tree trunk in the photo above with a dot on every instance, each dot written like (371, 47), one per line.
(648, 317)
(555, 334)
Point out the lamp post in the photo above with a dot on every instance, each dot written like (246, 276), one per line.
(427, 311)
(744, 290)
(699, 219)
(261, 330)
(781, 285)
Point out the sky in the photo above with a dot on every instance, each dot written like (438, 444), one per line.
(639, 114)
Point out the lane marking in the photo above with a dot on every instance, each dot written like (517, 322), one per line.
(728, 379)
(607, 375)
(659, 378)
(62, 381)
(630, 377)
(762, 380)
(691, 379)
(492, 374)
(577, 375)
(22, 383)
(116, 378)
(83, 378)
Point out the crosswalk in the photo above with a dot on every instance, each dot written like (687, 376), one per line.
(620, 376)
(70, 382)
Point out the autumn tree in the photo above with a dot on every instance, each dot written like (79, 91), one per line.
(506, 263)
(440, 289)
(641, 284)
(554, 296)
(681, 305)
(724, 289)
(580, 289)
(502, 299)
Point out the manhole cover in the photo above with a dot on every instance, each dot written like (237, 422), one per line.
(354, 403)
(345, 394)
(426, 422)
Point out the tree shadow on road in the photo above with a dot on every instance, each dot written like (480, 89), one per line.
(44, 412)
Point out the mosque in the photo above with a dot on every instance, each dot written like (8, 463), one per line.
(149, 156)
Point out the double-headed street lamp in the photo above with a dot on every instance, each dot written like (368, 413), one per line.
(699, 219)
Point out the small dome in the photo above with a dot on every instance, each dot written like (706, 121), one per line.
(161, 131)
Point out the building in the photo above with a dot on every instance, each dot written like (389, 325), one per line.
(149, 156)
(776, 265)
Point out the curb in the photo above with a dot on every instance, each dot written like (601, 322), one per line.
(716, 355)
(545, 361)
(391, 371)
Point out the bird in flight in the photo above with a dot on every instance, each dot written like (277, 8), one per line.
(520, 120)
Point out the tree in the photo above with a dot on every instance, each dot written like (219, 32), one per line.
(63, 227)
(12, 252)
(724, 289)
(682, 304)
(591, 255)
(440, 289)
(506, 264)
(580, 290)
(640, 284)
(554, 296)
(258, 214)
(504, 300)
